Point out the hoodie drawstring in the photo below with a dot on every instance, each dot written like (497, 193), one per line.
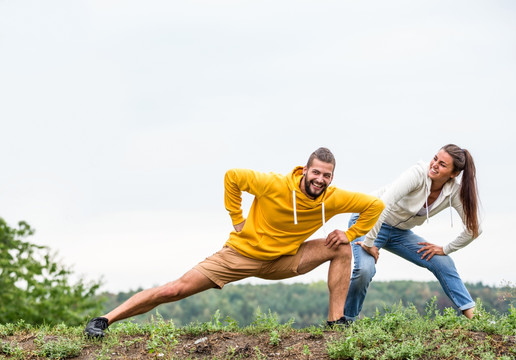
(426, 205)
(323, 221)
(451, 212)
(294, 210)
(294, 204)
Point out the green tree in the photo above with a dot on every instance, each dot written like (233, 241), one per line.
(34, 287)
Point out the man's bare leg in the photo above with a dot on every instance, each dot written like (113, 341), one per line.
(190, 283)
(339, 273)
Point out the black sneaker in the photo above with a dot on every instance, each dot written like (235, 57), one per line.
(339, 323)
(96, 327)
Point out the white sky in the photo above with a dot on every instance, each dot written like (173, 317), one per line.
(118, 119)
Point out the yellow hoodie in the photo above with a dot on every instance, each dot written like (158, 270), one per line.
(281, 217)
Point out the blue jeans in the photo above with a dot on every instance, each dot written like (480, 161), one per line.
(403, 243)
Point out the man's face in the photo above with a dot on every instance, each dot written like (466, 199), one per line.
(317, 178)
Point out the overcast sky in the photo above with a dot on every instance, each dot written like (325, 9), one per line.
(120, 118)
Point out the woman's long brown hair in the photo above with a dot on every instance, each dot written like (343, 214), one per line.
(463, 161)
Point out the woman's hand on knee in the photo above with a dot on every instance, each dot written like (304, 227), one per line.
(429, 250)
(373, 250)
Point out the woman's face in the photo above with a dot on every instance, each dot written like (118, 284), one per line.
(441, 167)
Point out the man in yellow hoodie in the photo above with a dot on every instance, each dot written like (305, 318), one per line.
(271, 242)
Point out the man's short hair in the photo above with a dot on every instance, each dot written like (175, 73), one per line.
(322, 154)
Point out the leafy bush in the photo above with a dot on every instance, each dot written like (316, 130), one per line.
(35, 287)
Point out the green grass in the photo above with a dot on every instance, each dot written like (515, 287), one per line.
(395, 333)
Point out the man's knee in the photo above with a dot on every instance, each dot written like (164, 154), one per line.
(343, 252)
(172, 291)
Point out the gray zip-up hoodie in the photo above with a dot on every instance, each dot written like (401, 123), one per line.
(407, 195)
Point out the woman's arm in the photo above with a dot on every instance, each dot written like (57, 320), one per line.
(465, 237)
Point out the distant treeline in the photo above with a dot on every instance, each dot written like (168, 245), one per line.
(307, 304)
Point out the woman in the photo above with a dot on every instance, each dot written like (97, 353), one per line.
(418, 194)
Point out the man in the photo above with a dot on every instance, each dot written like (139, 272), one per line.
(270, 243)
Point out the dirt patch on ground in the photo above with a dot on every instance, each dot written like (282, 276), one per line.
(217, 345)
(223, 345)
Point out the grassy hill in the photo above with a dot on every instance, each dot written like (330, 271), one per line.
(398, 333)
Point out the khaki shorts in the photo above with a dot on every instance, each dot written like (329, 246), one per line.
(228, 265)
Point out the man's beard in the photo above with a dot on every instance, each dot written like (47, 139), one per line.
(309, 191)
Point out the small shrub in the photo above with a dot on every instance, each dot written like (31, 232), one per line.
(59, 349)
(274, 338)
(11, 350)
